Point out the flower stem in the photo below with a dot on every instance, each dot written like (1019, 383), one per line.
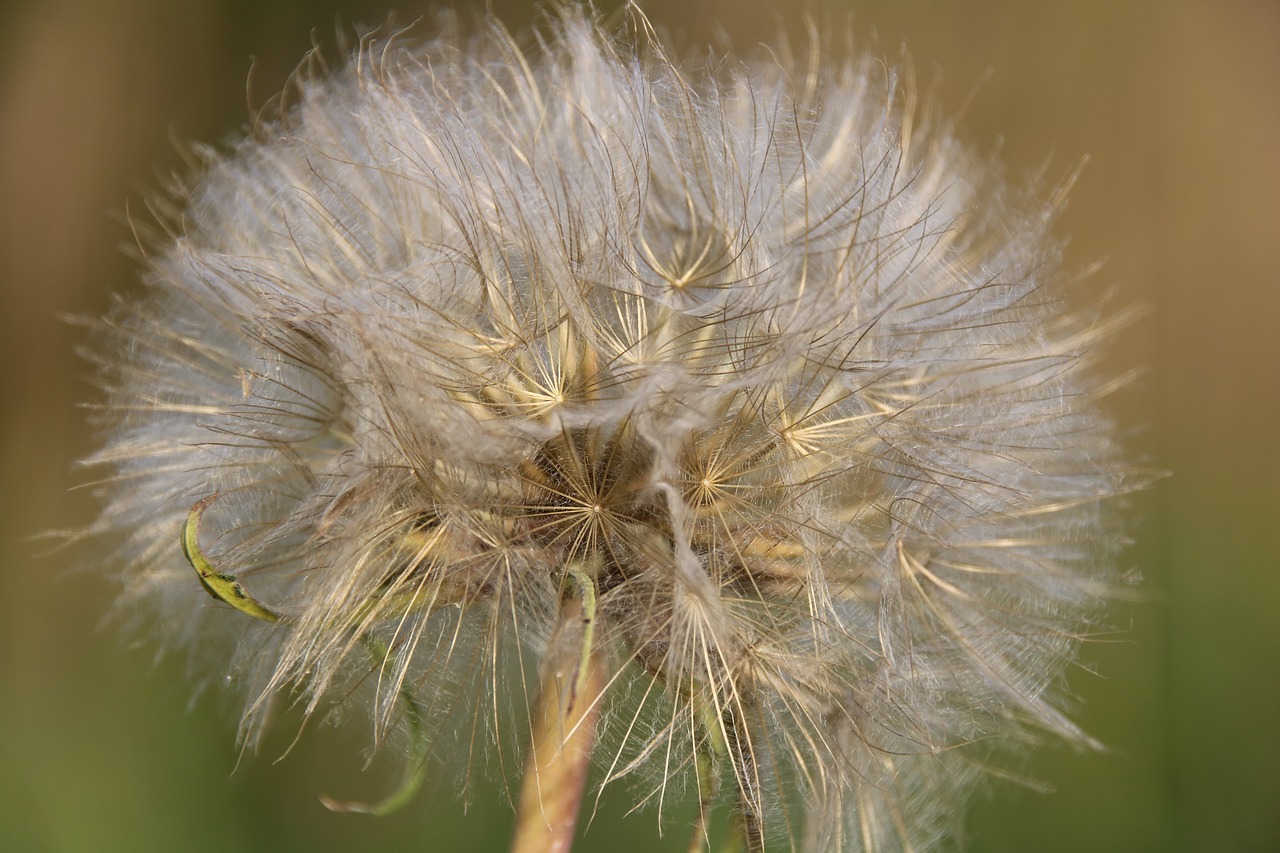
(564, 730)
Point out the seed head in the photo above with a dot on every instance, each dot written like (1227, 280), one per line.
(776, 389)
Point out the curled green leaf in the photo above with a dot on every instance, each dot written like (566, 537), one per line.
(416, 766)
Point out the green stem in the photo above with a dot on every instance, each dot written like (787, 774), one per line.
(710, 757)
(563, 728)
(747, 826)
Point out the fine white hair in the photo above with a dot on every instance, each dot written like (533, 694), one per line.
(779, 365)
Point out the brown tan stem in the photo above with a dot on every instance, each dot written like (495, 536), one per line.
(564, 730)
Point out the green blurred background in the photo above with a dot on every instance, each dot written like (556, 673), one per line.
(1177, 107)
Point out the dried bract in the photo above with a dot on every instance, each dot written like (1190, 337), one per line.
(781, 388)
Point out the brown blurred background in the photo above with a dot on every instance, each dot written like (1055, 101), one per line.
(1176, 105)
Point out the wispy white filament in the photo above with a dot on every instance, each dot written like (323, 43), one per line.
(793, 386)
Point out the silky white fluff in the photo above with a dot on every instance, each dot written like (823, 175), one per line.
(792, 383)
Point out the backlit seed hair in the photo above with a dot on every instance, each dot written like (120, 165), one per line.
(777, 388)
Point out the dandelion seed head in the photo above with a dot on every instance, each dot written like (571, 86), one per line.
(784, 370)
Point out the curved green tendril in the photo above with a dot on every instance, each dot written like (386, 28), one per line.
(221, 586)
(226, 588)
(416, 766)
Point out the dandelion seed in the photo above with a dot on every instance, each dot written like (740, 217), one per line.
(716, 421)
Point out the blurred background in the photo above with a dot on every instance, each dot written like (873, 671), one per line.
(1175, 104)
